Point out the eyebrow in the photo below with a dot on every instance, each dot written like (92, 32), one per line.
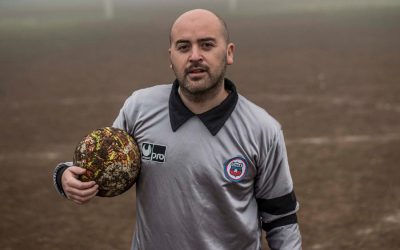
(205, 39)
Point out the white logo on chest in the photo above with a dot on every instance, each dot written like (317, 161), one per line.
(153, 152)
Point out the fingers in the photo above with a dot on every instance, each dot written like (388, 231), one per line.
(73, 182)
(76, 190)
(82, 196)
(77, 170)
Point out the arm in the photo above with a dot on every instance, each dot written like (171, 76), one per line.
(65, 176)
(277, 203)
(279, 220)
(286, 237)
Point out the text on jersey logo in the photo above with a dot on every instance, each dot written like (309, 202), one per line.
(153, 152)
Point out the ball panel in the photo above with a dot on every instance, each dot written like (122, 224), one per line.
(112, 159)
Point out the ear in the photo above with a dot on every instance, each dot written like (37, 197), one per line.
(170, 62)
(229, 53)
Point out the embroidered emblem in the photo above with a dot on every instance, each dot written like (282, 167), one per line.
(153, 152)
(235, 169)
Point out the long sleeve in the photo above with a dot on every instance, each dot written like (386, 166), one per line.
(277, 203)
(284, 237)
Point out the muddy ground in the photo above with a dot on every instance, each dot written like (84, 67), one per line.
(332, 78)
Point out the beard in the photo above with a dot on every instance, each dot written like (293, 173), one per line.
(198, 88)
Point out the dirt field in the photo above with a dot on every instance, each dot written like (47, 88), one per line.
(330, 76)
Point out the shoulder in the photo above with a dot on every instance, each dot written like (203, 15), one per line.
(256, 117)
(156, 91)
(154, 95)
(142, 105)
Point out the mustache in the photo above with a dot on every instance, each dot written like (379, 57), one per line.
(196, 66)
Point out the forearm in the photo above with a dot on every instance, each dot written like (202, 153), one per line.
(286, 237)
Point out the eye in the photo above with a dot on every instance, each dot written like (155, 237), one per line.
(183, 47)
(207, 45)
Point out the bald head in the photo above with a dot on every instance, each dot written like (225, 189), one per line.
(197, 15)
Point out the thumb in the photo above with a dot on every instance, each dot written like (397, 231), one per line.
(77, 170)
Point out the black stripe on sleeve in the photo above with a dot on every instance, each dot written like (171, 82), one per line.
(287, 220)
(279, 205)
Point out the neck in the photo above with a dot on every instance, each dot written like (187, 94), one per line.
(199, 104)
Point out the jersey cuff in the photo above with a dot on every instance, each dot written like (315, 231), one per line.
(57, 174)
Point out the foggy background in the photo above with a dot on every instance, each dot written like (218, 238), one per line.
(327, 70)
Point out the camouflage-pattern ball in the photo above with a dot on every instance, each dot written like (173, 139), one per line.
(111, 158)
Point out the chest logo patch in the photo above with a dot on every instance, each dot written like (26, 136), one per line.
(235, 169)
(153, 152)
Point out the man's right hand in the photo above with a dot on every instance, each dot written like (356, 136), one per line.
(76, 190)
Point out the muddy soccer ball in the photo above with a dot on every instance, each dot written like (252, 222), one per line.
(111, 158)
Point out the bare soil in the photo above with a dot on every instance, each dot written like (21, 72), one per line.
(331, 78)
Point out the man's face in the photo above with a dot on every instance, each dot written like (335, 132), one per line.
(199, 52)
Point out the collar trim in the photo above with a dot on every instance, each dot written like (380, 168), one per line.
(214, 119)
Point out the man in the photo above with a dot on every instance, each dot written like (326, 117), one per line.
(220, 172)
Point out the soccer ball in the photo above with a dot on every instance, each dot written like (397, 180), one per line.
(111, 158)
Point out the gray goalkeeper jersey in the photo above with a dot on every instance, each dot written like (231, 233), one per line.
(209, 181)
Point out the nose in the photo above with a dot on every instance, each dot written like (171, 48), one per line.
(195, 55)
